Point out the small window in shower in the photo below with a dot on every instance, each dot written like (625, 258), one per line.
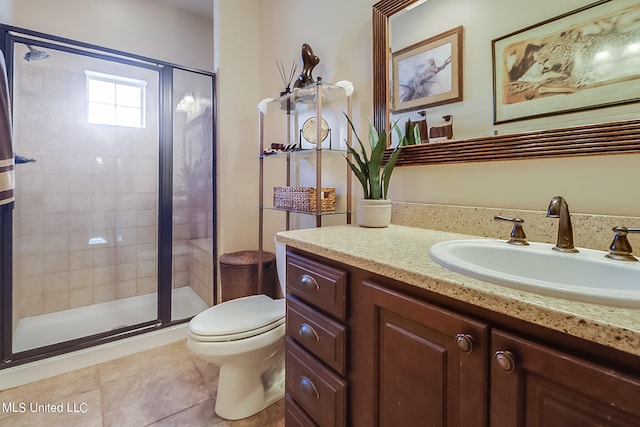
(115, 100)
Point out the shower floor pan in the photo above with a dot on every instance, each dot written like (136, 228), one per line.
(52, 328)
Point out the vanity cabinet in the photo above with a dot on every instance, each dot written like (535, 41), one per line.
(316, 344)
(414, 358)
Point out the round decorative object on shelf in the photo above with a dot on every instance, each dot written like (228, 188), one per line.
(309, 129)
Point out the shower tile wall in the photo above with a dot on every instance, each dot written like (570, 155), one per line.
(193, 203)
(85, 221)
(201, 269)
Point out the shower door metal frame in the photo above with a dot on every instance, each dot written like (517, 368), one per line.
(9, 35)
(6, 294)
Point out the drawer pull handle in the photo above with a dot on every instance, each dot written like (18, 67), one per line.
(307, 332)
(505, 361)
(308, 282)
(464, 343)
(308, 387)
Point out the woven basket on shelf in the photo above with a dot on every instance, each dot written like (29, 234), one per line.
(304, 198)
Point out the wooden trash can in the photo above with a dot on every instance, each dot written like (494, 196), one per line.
(239, 274)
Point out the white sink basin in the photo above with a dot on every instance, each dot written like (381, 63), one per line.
(585, 276)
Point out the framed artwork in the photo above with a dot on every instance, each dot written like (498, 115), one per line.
(428, 73)
(584, 59)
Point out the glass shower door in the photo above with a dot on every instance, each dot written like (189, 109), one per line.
(85, 246)
(193, 195)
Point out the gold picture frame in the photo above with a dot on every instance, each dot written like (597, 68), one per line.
(428, 73)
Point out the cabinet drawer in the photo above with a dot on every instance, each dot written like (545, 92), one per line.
(318, 284)
(316, 389)
(319, 334)
(294, 416)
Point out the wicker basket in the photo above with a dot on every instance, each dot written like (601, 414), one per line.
(239, 274)
(304, 198)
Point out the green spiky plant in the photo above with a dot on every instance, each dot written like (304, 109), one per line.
(367, 165)
(412, 133)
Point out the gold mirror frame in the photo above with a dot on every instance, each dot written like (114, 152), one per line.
(605, 138)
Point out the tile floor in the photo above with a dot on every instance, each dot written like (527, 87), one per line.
(163, 387)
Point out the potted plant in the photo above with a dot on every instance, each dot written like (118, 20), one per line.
(374, 209)
(412, 133)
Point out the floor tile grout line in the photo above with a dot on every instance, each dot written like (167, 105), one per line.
(179, 412)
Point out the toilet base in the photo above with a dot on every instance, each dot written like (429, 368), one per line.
(245, 393)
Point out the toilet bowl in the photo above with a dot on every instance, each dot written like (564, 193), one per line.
(245, 337)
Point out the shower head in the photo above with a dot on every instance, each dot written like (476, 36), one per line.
(35, 54)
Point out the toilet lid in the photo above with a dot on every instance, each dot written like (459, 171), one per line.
(238, 316)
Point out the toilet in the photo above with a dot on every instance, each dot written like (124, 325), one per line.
(245, 337)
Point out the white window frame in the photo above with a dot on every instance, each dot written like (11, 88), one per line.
(115, 81)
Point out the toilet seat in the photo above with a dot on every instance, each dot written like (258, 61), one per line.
(237, 319)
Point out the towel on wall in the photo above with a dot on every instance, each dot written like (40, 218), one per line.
(7, 180)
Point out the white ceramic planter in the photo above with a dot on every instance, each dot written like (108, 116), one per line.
(374, 213)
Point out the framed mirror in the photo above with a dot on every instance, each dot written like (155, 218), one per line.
(603, 138)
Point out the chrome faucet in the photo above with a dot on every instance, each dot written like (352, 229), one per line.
(558, 208)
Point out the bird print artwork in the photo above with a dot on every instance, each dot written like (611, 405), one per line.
(591, 54)
(424, 83)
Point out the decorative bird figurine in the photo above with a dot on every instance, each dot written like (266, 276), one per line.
(309, 61)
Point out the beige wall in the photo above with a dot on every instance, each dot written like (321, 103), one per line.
(237, 44)
(145, 27)
(340, 33)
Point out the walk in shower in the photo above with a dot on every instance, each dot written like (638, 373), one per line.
(113, 222)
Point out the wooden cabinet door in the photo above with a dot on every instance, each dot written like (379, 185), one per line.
(535, 386)
(415, 364)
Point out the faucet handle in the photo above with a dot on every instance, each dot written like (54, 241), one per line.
(620, 248)
(518, 237)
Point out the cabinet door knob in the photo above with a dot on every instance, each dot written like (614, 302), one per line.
(464, 343)
(308, 387)
(505, 361)
(308, 282)
(307, 332)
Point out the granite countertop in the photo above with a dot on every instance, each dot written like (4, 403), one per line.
(402, 253)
